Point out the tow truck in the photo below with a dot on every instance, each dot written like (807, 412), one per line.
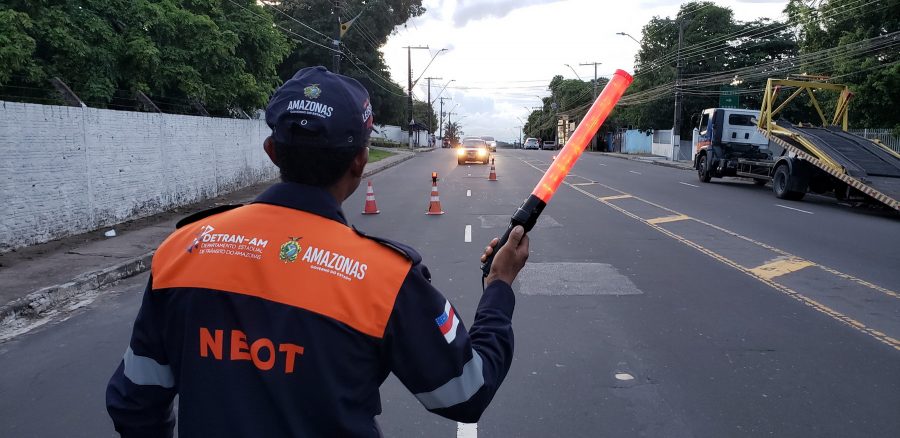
(801, 157)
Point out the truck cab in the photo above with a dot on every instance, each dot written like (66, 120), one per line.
(729, 144)
(734, 131)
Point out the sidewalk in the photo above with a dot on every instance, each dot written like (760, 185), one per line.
(653, 159)
(38, 278)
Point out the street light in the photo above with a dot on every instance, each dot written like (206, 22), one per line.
(442, 90)
(573, 71)
(629, 36)
(429, 65)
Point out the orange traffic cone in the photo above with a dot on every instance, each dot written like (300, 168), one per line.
(434, 207)
(370, 208)
(493, 175)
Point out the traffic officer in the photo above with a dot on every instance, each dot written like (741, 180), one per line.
(278, 319)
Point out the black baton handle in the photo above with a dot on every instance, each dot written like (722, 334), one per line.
(526, 216)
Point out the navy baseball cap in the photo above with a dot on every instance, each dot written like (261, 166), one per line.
(321, 109)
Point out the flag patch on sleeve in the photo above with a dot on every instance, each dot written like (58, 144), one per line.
(447, 322)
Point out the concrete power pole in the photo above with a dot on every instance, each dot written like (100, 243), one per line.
(595, 64)
(430, 127)
(676, 120)
(409, 104)
(441, 128)
(337, 41)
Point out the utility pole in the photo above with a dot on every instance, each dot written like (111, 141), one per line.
(430, 127)
(409, 104)
(448, 123)
(676, 125)
(442, 99)
(337, 40)
(595, 64)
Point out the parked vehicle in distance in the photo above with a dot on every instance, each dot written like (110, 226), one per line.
(531, 143)
(492, 144)
(549, 145)
(473, 149)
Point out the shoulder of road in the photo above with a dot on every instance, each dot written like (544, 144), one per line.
(39, 278)
(653, 159)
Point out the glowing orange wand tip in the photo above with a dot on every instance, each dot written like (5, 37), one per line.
(579, 140)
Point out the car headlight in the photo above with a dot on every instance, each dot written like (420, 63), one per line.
(460, 152)
(481, 152)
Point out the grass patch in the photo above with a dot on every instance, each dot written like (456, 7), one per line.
(377, 155)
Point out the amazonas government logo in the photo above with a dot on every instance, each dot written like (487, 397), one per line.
(290, 250)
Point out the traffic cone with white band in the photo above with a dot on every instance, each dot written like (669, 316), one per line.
(370, 208)
(434, 207)
(493, 175)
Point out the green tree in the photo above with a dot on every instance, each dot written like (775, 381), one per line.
(453, 132)
(16, 46)
(874, 77)
(360, 45)
(222, 54)
(424, 113)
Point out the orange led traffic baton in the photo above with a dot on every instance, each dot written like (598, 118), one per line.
(528, 213)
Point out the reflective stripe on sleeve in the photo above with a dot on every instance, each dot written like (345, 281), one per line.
(458, 389)
(146, 371)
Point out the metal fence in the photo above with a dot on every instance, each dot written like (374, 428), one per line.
(885, 136)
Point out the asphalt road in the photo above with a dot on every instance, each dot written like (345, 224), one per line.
(653, 305)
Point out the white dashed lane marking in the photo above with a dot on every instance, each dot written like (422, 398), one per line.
(468, 193)
(468, 233)
(466, 430)
(636, 173)
(687, 184)
(795, 209)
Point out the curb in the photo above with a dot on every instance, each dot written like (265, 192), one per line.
(654, 162)
(403, 157)
(42, 300)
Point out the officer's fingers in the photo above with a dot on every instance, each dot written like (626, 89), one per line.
(515, 236)
(522, 249)
(493, 243)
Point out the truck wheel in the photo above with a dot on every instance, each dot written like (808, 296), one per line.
(702, 173)
(781, 182)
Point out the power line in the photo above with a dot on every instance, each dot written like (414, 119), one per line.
(701, 49)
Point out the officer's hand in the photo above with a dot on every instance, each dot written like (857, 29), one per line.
(509, 259)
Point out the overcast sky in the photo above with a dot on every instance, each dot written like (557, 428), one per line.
(503, 53)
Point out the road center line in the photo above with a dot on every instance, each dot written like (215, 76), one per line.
(795, 209)
(466, 430)
(687, 184)
(468, 193)
(636, 173)
(468, 233)
(601, 164)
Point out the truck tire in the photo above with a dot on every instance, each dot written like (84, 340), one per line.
(780, 183)
(702, 173)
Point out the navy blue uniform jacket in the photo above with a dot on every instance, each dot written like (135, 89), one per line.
(278, 319)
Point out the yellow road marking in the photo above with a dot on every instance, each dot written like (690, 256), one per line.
(665, 219)
(780, 266)
(612, 198)
(878, 335)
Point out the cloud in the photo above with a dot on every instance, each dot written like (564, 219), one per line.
(468, 10)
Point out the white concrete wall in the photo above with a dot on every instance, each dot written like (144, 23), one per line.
(392, 133)
(68, 170)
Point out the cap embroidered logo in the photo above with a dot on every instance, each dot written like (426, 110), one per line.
(313, 91)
